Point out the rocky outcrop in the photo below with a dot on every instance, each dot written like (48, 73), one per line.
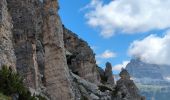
(126, 89)
(7, 56)
(82, 59)
(109, 74)
(91, 91)
(53, 61)
(106, 75)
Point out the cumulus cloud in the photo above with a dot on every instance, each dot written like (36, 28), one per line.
(107, 54)
(152, 49)
(118, 67)
(128, 16)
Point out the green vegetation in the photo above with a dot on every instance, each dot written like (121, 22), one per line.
(12, 83)
(3, 97)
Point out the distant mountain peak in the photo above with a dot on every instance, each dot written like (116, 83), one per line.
(151, 79)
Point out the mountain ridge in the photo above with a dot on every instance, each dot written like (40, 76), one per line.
(150, 79)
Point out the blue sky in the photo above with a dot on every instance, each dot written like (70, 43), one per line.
(77, 17)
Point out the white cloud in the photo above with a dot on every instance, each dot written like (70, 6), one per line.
(167, 78)
(118, 67)
(128, 16)
(152, 49)
(107, 54)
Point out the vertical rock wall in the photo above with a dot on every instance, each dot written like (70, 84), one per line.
(24, 30)
(7, 56)
(56, 71)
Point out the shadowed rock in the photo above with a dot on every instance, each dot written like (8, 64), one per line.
(109, 74)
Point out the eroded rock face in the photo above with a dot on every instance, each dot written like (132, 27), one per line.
(56, 71)
(23, 14)
(38, 45)
(82, 60)
(7, 56)
(126, 88)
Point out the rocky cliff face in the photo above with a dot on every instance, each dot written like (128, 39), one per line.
(53, 61)
(81, 59)
(151, 79)
(7, 55)
(23, 15)
(56, 71)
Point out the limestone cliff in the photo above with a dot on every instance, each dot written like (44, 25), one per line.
(81, 59)
(56, 70)
(53, 61)
(38, 44)
(7, 55)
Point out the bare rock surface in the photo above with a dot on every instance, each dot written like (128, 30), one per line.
(126, 88)
(82, 61)
(7, 56)
(56, 71)
(109, 74)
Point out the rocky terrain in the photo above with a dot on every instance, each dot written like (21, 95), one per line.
(55, 62)
(151, 79)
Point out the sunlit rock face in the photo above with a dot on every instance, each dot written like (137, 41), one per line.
(39, 47)
(7, 56)
(81, 59)
(57, 77)
(151, 79)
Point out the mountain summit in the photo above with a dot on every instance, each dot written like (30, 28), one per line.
(151, 79)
